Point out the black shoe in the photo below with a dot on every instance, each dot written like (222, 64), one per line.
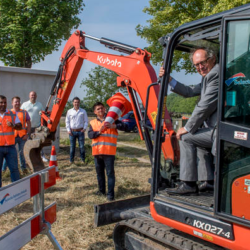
(25, 171)
(99, 193)
(183, 189)
(110, 198)
(206, 186)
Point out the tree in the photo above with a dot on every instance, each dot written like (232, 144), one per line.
(32, 29)
(69, 105)
(167, 15)
(179, 104)
(100, 86)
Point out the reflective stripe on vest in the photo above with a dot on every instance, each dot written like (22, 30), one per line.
(9, 133)
(105, 144)
(7, 136)
(22, 117)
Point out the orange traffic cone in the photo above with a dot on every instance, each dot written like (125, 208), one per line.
(53, 162)
(119, 106)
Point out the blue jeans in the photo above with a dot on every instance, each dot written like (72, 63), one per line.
(20, 142)
(105, 162)
(10, 155)
(72, 139)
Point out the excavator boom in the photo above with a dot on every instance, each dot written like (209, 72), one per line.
(134, 72)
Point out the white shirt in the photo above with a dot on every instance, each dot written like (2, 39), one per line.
(76, 119)
(33, 110)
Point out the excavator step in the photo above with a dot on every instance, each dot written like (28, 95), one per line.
(203, 199)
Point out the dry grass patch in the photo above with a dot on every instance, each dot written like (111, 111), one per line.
(74, 228)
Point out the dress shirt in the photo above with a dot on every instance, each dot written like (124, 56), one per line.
(76, 119)
(33, 110)
(172, 83)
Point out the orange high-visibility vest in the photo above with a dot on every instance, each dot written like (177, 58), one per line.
(7, 136)
(22, 117)
(105, 143)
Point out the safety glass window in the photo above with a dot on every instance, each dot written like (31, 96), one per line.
(237, 74)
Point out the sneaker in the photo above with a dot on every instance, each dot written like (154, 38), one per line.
(44, 159)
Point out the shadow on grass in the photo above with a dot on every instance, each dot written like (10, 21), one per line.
(75, 169)
(56, 189)
(100, 245)
(122, 192)
(132, 164)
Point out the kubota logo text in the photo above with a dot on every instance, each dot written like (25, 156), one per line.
(107, 61)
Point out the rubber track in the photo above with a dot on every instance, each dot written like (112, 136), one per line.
(161, 233)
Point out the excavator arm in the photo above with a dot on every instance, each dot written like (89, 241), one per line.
(134, 72)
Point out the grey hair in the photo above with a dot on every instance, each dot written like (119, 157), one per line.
(210, 53)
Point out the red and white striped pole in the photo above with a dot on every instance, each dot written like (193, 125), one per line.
(53, 162)
(119, 106)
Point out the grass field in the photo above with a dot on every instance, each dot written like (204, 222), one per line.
(74, 228)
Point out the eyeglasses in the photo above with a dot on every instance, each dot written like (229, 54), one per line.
(202, 63)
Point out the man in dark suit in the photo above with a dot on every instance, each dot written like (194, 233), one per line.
(196, 138)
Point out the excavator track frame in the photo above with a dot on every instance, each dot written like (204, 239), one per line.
(147, 232)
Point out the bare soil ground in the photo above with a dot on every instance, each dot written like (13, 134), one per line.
(74, 228)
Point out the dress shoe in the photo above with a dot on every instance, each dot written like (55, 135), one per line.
(25, 171)
(99, 193)
(183, 189)
(110, 198)
(205, 186)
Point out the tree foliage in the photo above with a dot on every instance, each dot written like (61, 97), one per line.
(179, 104)
(100, 86)
(167, 15)
(69, 105)
(32, 29)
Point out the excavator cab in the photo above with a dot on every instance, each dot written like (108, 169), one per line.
(222, 217)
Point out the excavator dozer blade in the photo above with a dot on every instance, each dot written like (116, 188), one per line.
(32, 149)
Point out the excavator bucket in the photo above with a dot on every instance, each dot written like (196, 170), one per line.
(32, 148)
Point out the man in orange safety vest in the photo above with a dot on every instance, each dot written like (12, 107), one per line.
(9, 122)
(104, 140)
(22, 135)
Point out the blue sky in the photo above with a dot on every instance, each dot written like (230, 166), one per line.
(113, 19)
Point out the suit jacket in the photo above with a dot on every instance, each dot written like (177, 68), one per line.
(206, 109)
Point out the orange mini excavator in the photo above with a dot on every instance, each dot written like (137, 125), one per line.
(158, 221)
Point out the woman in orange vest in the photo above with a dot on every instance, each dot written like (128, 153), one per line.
(104, 142)
(8, 123)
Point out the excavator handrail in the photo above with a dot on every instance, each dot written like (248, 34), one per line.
(146, 105)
